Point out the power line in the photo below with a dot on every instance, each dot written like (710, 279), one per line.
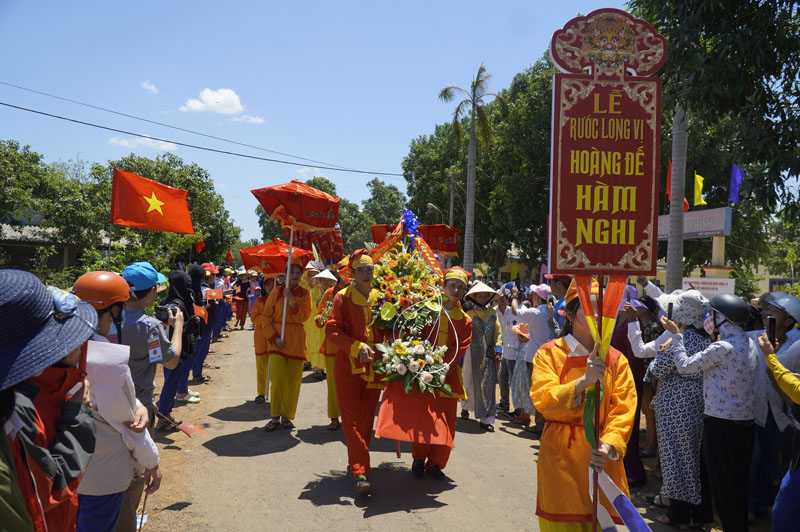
(204, 148)
(168, 125)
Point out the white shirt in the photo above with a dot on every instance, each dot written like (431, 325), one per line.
(641, 349)
(767, 397)
(510, 340)
(536, 318)
(729, 373)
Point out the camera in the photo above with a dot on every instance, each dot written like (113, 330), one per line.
(166, 312)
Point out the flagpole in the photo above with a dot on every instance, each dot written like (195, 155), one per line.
(286, 286)
(598, 384)
(108, 252)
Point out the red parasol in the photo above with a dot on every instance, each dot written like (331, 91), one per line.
(272, 258)
(329, 243)
(298, 205)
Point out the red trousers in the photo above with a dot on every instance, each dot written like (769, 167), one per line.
(357, 405)
(437, 455)
(241, 312)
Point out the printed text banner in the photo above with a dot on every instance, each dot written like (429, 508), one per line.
(604, 184)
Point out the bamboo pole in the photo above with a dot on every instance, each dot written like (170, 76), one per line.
(595, 472)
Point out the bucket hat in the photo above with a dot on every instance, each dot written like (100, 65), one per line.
(41, 326)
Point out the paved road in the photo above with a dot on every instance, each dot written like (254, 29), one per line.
(240, 478)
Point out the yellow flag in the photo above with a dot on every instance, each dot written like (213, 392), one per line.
(698, 190)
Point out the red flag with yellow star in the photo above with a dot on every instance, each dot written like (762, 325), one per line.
(140, 202)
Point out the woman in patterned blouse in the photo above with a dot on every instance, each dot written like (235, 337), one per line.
(678, 406)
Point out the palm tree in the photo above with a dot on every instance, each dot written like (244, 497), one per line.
(678, 178)
(472, 103)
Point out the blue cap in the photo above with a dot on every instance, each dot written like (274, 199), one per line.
(142, 276)
(509, 286)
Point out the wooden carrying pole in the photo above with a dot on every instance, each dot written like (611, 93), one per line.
(286, 285)
(595, 472)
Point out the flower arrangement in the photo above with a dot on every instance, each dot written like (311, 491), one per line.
(409, 291)
(326, 313)
(417, 363)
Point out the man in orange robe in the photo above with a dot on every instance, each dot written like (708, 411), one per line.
(288, 353)
(350, 333)
(562, 371)
(401, 416)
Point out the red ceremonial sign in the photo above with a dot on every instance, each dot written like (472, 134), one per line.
(605, 145)
(442, 238)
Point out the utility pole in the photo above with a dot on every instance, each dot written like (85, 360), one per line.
(452, 199)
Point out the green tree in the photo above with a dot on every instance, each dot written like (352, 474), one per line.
(741, 62)
(270, 229)
(385, 204)
(479, 126)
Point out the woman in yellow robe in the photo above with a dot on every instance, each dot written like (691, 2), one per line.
(287, 354)
(314, 335)
(563, 369)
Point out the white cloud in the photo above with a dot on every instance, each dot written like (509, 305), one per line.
(158, 145)
(222, 101)
(307, 172)
(248, 118)
(146, 85)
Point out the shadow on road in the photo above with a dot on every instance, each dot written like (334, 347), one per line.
(319, 435)
(388, 479)
(469, 426)
(248, 411)
(253, 442)
(312, 378)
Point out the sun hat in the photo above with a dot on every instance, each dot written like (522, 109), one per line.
(521, 328)
(565, 279)
(314, 265)
(635, 303)
(325, 274)
(210, 267)
(688, 307)
(142, 276)
(541, 290)
(41, 326)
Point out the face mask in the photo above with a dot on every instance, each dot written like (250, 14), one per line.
(708, 324)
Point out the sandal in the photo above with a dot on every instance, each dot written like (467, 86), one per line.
(287, 424)
(272, 425)
(334, 424)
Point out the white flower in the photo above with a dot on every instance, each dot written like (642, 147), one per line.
(413, 367)
(388, 368)
(441, 378)
(400, 369)
(428, 359)
(395, 359)
(385, 357)
(419, 350)
(426, 377)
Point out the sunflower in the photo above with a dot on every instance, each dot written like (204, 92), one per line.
(406, 291)
(384, 286)
(393, 298)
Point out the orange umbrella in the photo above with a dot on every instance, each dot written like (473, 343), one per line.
(272, 258)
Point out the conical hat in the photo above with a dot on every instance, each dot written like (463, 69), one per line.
(480, 288)
(325, 274)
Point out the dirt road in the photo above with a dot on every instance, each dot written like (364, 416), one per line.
(240, 478)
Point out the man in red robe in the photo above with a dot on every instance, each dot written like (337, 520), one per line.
(350, 332)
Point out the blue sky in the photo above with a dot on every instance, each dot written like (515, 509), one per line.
(349, 83)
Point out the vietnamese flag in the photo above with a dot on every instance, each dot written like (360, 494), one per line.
(201, 311)
(229, 257)
(198, 246)
(140, 202)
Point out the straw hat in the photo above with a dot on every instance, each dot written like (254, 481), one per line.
(481, 288)
(41, 326)
(325, 274)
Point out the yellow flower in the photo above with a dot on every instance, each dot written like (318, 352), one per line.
(401, 350)
(416, 342)
(421, 363)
